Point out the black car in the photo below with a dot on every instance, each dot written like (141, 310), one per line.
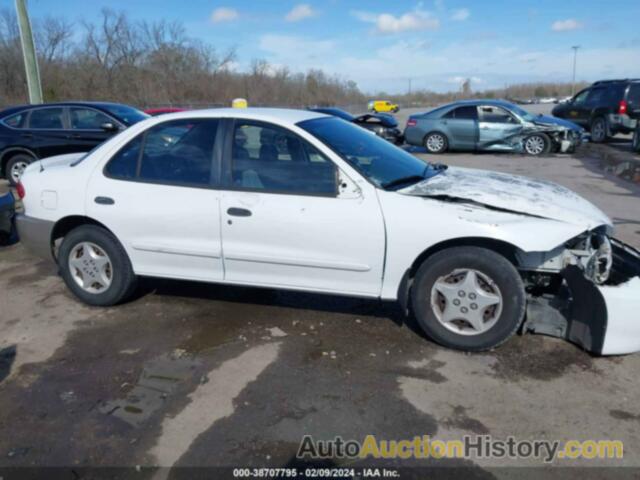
(382, 124)
(32, 132)
(605, 108)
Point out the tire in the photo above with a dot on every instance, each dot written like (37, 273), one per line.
(84, 245)
(436, 143)
(15, 167)
(495, 278)
(599, 130)
(635, 145)
(537, 145)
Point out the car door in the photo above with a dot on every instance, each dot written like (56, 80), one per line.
(461, 126)
(496, 127)
(157, 195)
(47, 132)
(577, 110)
(87, 126)
(287, 223)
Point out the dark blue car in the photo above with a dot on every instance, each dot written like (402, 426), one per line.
(491, 125)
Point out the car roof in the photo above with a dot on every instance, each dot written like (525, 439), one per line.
(272, 115)
(483, 101)
(20, 108)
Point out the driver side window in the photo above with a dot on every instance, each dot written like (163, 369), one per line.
(491, 114)
(269, 158)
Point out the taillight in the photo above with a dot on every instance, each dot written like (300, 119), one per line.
(20, 190)
(622, 108)
(412, 122)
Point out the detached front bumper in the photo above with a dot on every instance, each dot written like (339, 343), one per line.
(603, 319)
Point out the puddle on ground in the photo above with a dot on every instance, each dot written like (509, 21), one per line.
(160, 378)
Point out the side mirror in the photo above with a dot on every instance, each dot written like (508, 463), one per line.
(108, 127)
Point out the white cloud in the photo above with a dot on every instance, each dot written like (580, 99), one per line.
(411, 21)
(224, 14)
(300, 12)
(460, 15)
(298, 53)
(566, 25)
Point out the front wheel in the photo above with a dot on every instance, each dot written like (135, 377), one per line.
(537, 144)
(95, 266)
(468, 298)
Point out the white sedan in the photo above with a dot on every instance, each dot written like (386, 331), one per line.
(298, 200)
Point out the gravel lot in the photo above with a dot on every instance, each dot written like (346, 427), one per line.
(190, 374)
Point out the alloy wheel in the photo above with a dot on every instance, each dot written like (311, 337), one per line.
(435, 143)
(90, 267)
(466, 302)
(17, 169)
(598, 131)
(534, 145)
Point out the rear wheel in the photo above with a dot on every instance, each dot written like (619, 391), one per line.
(436, 143)
(468, 298)
(537, 144)
(95, 266)
(16, 167)
(599, 130)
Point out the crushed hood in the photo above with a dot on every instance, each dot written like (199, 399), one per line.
(546, 120)
(511, 193)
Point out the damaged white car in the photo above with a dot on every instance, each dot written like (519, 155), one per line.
(299, 200)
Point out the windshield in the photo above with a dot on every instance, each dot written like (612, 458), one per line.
(378, 160)
(128, 115)
(522, 113)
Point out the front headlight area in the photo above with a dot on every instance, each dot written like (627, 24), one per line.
(591, 251)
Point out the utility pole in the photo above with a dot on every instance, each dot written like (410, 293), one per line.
(575, 57)
(29, 53)
(409, 86)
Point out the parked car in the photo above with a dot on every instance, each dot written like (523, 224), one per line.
(7, 212)
(491, 125)
(304, 201)
(31, 132)
(161, 111)
(382, 106)
(606, 108)
(383, 125)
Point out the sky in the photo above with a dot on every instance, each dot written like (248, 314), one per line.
(387, 45)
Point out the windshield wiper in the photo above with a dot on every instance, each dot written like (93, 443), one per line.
(402, 181)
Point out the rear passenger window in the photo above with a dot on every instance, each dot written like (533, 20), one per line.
(174, 153)
(47, 118)
(466, 113)
(16, 121)
(276, 160)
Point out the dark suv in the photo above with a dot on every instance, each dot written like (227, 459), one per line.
(605, 108)
(32, 132)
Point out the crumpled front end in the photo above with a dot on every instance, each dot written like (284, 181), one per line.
(602, 318)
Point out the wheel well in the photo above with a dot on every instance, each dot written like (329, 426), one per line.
(505, 249)
(65, 225)
(10, 153)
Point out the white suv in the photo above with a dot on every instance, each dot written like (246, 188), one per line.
(300, 200)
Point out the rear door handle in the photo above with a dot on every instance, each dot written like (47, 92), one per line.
(239, 212)
(104, 200)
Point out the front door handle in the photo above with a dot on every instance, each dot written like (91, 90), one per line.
(104, 200)
(239, 212)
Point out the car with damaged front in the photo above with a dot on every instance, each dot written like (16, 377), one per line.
(382, 124)
(491, 125)
(299, 200)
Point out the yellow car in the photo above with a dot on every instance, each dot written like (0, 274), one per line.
(383, 106)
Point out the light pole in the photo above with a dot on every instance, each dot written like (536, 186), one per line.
(575, 57)
(29, 53)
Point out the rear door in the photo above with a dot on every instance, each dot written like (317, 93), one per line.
(496, 126)
(286, 221)
(86, 126)
(158, 195)
(47, 132)
(462, 127)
